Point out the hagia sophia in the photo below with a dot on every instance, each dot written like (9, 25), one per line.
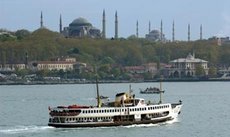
(81, 27)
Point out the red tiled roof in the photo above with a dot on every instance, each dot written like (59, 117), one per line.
(54, 62)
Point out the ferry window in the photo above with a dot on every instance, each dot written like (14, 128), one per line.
(99, 111)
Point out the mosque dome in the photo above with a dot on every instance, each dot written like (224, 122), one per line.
(80, 22)
(155, 32)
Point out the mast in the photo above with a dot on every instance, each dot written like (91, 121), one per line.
(98, 96)
(160, 90)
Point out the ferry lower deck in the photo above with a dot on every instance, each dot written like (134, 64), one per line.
(110, 123)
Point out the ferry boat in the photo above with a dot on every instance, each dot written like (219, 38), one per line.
(151, 90)
(125, 110)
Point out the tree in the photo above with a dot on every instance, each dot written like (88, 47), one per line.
(199, 70)
(212, 71)
(21, 34)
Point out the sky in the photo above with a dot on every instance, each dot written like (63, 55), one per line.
(214, 15)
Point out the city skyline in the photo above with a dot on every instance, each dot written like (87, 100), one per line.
(215, 21)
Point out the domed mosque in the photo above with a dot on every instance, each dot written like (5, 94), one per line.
(81, 27)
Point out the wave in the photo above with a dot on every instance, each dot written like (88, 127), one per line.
(34, 128)
(23, 129)
(154, 125)
(142, 125)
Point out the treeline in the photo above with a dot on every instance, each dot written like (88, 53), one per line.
(44, 44)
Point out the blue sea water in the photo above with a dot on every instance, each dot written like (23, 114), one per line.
(205, 111)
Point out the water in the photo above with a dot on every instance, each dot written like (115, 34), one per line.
(205, 111)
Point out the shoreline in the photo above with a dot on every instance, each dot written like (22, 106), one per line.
(107, 81)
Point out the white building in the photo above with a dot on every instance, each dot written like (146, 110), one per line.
(53, 65)
(12, 67)
(186, 67)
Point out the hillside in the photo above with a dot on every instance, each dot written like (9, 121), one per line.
(44, 44)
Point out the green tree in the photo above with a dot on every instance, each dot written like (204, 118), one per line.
(212, 71)
(199, 70)
(21, 34)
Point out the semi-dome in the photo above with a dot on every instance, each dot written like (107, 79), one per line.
(80, 22)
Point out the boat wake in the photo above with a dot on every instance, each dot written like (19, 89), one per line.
(155, 125)
(23, 129)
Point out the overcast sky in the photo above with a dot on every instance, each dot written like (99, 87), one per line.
(214, 15)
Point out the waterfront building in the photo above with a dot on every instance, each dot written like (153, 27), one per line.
(12, 67)
(186, 67)
(53, 65)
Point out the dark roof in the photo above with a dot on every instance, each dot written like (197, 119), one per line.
(80, 22)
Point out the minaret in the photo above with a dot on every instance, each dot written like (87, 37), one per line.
(173, 31)
(161, 35)
(41, 23)
(201, 33)
(103, 25)
(60, 24)
(116, 26)
(149, 26)
(188, 32)
(137, 34)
